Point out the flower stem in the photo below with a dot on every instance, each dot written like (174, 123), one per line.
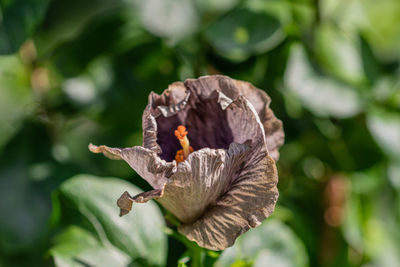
(196, 257)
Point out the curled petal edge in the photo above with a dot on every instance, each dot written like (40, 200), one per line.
(144, 161)
(258, 98)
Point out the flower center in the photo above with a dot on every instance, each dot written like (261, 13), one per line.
(183, 153)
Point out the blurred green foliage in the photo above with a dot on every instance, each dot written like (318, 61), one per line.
(74, 72)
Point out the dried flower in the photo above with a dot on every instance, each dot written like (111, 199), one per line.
(225, 181)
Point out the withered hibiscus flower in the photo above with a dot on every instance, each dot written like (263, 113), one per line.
(209, 151)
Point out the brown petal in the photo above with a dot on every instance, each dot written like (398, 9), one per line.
(165, 116)
(170, 101)
(249, 201)
(245, 124)
(144, 161)
(250, 177)
(196, 184)
(273, 127)
(149, 126)
(170, 109)
(167, 104)
(205, 85)
(207, 174)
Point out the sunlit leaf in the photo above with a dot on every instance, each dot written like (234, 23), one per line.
(138, 234)
(352, 225)
(381, 30)
(271, 243)
(345, 14)
(394, 174)
(172, 19)
(271, 258)
(321, 94)
(370, 228)
(339, 53)
(216, 5)
(368, 181)
(244, 32)
(387, 90)
(385, 128)
(278, 8)
(376, 20)
(78, 247)
(303, 14)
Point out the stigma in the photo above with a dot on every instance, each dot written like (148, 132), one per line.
(181, 134)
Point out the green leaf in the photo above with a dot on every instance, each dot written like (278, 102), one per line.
(18, 20)
(16, 96)
(385, 128)
(268, 258)
(370, 227)
(339, 53)
(172, 19)
(216, 5)
(368, 181)
(376, 20)
(244, 32)
(277, 8)
(381, 27)
(69, 18)
(272, 242)
(394, 174)
(320, 94)
(353, 222)
(386, 91)
(139, 234)
(24, 210)
(78, 247)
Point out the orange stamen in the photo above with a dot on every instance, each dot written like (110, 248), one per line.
(179, 156)
(180, 132)
(183, 153)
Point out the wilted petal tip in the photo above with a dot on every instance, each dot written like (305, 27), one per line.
(125, 203)
(93, 148)
(109, 152)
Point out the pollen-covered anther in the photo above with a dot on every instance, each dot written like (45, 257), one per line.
(183, 153)
(179, 157)
(181, 132)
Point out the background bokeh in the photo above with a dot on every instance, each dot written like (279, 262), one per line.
(74, 72)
